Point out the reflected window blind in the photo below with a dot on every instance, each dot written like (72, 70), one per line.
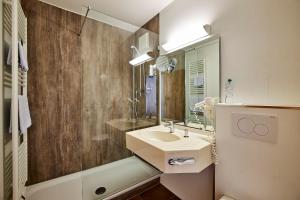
(196, 69)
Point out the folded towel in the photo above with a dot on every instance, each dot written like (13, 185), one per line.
(9, 57)
(22, 57)
(24, 114)
(199, 80)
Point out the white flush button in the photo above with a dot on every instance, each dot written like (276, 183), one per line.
(261, 127)
(245, 125)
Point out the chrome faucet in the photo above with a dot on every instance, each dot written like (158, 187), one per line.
(170, 125)
(186, 133)
(133, 102)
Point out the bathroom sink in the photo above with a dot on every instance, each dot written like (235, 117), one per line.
(161, 136)
(170, 152)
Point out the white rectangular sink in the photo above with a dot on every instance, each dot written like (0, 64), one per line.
(170, 152)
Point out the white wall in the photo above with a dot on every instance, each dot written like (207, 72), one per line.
(260, 44)
(191, 186)
(250, 169)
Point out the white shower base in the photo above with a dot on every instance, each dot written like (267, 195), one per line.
(117, 177)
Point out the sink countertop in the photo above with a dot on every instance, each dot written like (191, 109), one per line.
(193, 142)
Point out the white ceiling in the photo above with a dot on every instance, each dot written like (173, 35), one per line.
(126, 14)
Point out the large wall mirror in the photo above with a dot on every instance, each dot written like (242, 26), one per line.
(193, 75)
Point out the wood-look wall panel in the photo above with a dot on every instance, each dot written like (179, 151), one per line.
(76, 85)
(95, 75)
(54, 89)
(174, 91)
(106, 87)
(27, 5)
(152, 25)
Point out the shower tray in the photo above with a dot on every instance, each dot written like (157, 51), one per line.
(103, 182)
(115, 178)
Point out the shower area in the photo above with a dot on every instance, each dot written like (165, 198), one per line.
(88, 84)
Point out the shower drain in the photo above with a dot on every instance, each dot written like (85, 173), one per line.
(100, 190)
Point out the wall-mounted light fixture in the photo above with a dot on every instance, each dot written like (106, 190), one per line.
(140, 59)
(183, 40)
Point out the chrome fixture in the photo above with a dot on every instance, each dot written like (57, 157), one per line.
(186, 133)
(170, 125)
(172, 65)
(181, 161)
(136, 50)
(88, 9)
(134, 111)
(163, 64)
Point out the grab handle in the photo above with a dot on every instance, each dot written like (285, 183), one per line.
(182, 161)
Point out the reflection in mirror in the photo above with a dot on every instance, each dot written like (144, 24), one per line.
(191, 83)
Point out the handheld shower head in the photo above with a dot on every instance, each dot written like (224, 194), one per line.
(137, 51)
(139, 58)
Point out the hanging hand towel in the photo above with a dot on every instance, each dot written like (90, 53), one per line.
(24, 114)
(199, 80)
(22, 57)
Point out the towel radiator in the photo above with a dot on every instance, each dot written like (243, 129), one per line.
(14, 23)
(194, 66)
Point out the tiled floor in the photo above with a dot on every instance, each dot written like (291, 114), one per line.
(152, 190)
(158, 192)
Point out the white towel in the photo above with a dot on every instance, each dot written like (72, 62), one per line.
(194, 99)
(199, 80)
(24, 114)
(22, 57)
